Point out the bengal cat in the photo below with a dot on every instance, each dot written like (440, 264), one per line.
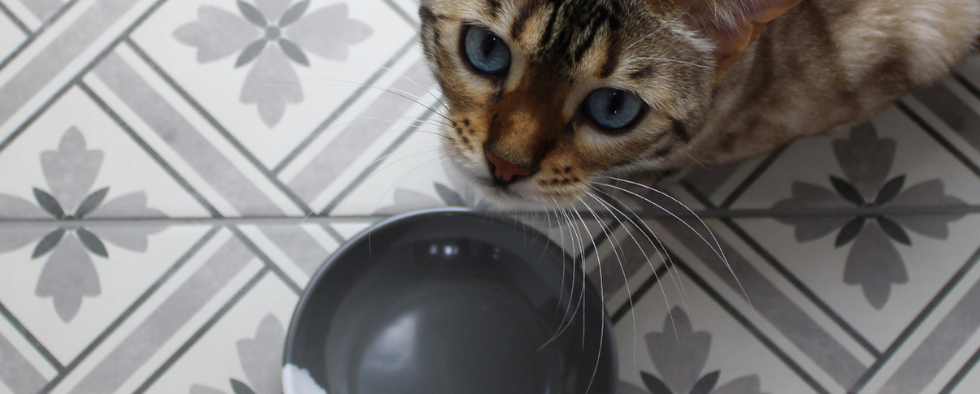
(547, 98)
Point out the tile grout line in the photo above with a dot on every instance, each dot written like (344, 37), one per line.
(149, 151)
(51, 65)
(180, 311)
(57, 14)
(659, 247)
(961, 373)
(967, 84)
(792, 279)
(588, 249)
(939, 138)
(332, 232)
(641, 291)
(939, 346)
(27, 335)
(13, 18)
(752, 178)
(275, 269)
(592, 249)
(705, 214)
(238, 188)
(604, 236)
(613, 204)
(32, 35)
(19, 374)
(242, 150)
(802, 288)
(37, 114)
(131, 309)
(678, 263)
(367, 172)
(739, 317)
(17, 51)
(343, 107)
(713, 212)
(403, 14)
(202, 331)
(608, 236)
(80, 75)
(920, 318)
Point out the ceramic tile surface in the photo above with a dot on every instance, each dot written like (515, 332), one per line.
(173, 172)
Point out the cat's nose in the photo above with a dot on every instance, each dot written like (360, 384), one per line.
(505, 170)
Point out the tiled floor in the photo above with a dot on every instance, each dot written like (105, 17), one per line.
(136, 134)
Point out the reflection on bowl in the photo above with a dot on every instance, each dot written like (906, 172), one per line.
(449, 301)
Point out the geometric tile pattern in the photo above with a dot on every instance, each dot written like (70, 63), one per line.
(172, 172)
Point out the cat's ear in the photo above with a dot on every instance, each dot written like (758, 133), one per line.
(734, 24)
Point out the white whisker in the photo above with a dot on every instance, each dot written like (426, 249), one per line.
(568, 308)
(656, 247)
(626, 280)
(427, 90)
(413, 171)
(678, 282)
(399, 93)
(629, 292)
(602, 329)
(716, 247)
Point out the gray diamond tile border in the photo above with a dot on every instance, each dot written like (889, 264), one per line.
(173, 173)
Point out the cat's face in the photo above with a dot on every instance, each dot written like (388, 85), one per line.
(547, 98)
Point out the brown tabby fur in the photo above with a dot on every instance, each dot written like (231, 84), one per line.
(721, 82)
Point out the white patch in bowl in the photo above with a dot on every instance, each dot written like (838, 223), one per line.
(296, 380)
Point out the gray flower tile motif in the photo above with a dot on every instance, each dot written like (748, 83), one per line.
(873, 261)
(680, 355)
(260, 358)
(274, 35)
(69, 272)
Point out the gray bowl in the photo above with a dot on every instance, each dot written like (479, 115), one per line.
(454, 302)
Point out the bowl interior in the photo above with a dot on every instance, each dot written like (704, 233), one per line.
(451, 302)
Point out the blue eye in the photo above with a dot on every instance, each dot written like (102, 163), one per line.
(486, 51)
(613, 109)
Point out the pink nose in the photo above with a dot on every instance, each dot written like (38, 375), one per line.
(505, 170)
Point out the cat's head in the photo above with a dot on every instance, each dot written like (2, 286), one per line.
(547, 97)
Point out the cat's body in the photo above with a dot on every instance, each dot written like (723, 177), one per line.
(715, 80)
(825, 65)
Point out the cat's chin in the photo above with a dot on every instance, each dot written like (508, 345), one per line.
(505, 200)
(520, 198)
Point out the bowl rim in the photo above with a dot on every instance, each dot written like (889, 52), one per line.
(321, 273)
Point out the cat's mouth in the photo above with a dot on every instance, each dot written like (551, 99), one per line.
(507, 197)
(505, 194)
(499, 187)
